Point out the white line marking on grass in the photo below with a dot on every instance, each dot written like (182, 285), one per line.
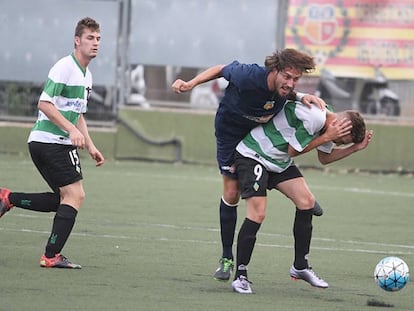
(351, 250)
(164, 239)
(218, 180)
(367, 191)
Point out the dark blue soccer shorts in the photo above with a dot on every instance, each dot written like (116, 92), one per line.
(228, 134)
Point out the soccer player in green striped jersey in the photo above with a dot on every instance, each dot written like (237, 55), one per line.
(58, 133)
(264, 161)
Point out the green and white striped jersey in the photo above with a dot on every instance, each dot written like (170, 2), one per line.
(296, 125)
(68, 87)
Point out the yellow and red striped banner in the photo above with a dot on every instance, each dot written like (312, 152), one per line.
(351, 37)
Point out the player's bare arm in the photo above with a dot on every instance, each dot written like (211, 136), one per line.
(340, 153)
(90, 146)
(76, 137)
(335, 130)
(180, 86)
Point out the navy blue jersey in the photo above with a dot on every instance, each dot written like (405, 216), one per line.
(247, 102)
(247, 96)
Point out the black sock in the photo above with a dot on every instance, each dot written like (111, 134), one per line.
(61, 229)
(245, 245)
(228, 220)
(302, 232)
(40, 202)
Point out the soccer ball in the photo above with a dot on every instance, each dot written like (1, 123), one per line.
(391, 274)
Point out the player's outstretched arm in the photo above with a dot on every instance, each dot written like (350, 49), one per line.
(180, 86)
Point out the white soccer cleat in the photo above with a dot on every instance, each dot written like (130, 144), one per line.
(308, 275)
(241, 285)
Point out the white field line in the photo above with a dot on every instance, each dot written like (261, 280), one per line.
(217, 179)
(326, 187)
(383, 248)
(366, 191)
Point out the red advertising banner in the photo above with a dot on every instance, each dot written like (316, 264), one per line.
(352, 37)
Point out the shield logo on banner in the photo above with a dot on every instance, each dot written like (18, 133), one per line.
(320, 24)
(321, 28)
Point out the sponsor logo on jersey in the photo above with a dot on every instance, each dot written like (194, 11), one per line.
(269, 105)
(262, 119)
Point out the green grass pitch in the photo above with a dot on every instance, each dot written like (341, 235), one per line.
(147, 237)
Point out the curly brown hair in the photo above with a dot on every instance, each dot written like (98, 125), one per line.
(290, 58)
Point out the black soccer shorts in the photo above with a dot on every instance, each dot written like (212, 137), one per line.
(58, 164)
(255, 180)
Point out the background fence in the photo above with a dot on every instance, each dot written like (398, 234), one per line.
(145, 46)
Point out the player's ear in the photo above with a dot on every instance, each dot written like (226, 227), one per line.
(76, 41)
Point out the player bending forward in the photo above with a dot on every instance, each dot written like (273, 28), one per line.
(264, 161)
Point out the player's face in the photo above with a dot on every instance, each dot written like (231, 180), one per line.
(345, 140)
(88, 43)
(285, 80)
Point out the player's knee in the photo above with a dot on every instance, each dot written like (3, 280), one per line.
(306, 202)
(81, 197)
(260, 216)
(256, 216)
(73, 198)
(256, 209)
(231, 195)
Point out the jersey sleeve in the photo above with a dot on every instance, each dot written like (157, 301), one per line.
(327, 147)
(244, 76)
(307, 124)
(55, 83)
